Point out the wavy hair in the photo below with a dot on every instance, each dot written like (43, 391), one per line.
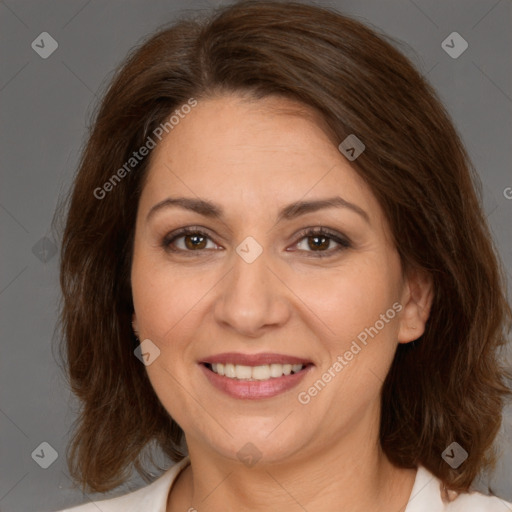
(446, 386)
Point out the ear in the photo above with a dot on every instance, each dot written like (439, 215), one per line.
(417, 297)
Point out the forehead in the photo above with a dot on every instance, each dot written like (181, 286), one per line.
(272, 149)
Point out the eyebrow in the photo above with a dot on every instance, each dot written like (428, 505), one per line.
(291, 211)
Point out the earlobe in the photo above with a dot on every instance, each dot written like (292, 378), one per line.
(417, 301)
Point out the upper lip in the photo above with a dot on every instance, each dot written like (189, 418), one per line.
(254, 359)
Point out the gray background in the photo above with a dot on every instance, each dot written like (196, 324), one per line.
(46, 104)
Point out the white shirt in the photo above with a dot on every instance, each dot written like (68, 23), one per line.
(425, 497)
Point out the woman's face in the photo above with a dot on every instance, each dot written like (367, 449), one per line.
(257, 290)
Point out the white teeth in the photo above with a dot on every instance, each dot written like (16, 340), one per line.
(243, 372)
(229, 370)
(276, 370)
(263, 372)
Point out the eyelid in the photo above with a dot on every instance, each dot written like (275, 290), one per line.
(322, 230)
(184, 231)
(342, 240)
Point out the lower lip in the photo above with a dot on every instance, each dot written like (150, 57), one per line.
(254, 389)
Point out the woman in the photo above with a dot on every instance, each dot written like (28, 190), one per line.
(276, 270)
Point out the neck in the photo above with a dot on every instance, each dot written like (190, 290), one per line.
(352, 475)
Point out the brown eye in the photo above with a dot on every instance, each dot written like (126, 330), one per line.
(188, 240)
(318, 242)
(321, 242)
(195, 241)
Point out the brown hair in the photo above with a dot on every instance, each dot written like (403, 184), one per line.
(414, 163)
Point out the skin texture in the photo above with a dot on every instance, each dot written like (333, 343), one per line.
(253, 157)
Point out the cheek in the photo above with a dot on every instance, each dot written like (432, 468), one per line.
(164, 300)
(359, 340)
(350, 299)
(164, 295)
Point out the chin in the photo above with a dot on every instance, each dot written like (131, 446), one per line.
(259, 444)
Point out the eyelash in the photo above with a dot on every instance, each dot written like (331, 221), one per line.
(343, 242)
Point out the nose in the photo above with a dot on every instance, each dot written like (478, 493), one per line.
(251, 298)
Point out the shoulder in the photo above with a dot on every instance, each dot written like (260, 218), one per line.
(151, 498)
(476, 502)
(427, 496)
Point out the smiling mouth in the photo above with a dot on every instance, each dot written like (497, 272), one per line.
(254, 373)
